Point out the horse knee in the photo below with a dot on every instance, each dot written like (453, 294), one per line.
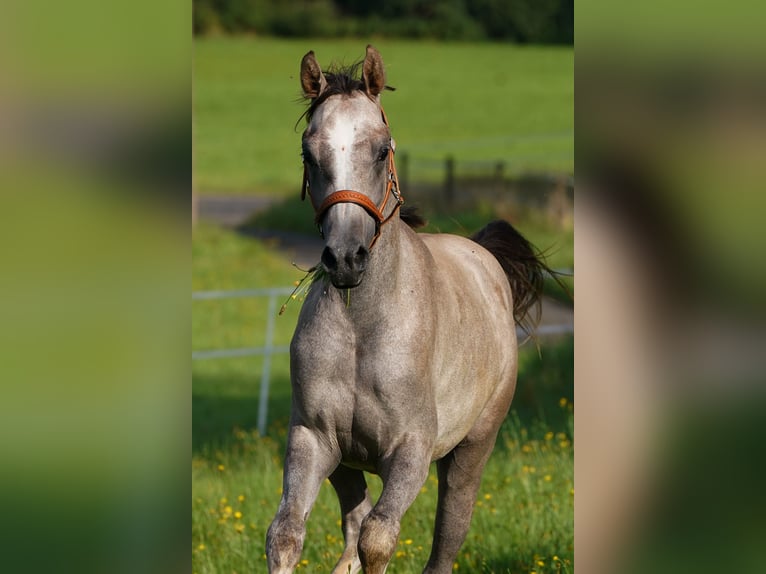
(377, 542)
(284, 542)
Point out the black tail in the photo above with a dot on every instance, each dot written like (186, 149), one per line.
(524, 266)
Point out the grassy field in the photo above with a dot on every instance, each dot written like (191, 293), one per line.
(523, 519)
(479, 102)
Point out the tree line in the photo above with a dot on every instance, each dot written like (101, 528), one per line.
(520, 21)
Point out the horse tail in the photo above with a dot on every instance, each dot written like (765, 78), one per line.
(524, 267)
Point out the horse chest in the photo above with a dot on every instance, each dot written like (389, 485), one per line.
(363, 395)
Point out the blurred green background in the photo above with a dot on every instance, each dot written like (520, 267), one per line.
(95, 159)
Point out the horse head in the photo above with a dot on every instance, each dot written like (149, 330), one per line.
(348, 163)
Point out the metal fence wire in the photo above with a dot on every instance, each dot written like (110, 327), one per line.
(266, 351)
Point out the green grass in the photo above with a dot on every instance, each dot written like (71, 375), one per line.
(524, 514)
(478, 102)
(222, 389)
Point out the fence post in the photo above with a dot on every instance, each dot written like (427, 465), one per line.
(449, 182)
(263, 398)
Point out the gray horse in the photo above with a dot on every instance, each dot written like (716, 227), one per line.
(405, 351)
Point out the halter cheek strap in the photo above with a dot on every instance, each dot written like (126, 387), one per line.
(360, 199)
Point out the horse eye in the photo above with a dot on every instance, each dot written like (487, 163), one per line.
(307, 157)
(383, 154)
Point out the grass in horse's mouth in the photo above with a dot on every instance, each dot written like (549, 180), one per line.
(302, 285)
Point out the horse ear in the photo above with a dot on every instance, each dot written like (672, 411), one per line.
(373, 74)
(312, 78)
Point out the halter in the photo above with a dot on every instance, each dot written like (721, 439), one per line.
(360, 199)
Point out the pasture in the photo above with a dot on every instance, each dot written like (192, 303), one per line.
(470, 100)
(478, 102)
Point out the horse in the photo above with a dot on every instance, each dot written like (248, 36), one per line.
(405, 349)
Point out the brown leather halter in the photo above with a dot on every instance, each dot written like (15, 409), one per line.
(351, 196)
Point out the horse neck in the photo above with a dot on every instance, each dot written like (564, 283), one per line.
(383, 274)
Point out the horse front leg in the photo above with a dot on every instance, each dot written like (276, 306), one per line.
(355, 504)
(308, 462)
(403, 474)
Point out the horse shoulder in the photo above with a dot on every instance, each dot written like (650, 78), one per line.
(475, 346)
(461, 257)
(321, 352)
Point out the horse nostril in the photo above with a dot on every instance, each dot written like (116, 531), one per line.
(361, 257)
(329, 260)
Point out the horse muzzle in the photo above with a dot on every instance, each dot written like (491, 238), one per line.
(345, 265)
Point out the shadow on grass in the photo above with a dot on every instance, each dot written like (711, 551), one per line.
(217, 411)
(296, 216)
(291, 214)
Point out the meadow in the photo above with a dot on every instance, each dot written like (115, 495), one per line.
(478, 102)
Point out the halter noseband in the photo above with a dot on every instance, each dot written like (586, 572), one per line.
(360, 199)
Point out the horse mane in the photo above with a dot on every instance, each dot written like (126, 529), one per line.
(409, 215)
